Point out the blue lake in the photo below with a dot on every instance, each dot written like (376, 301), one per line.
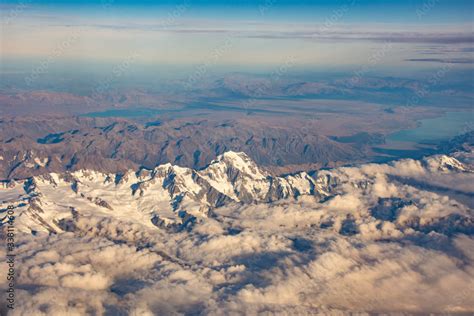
(436, 129)
(131, 112)
(423, 140)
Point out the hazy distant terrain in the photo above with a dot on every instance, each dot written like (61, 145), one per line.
(266, 93)
(287, 123)
(37, 146)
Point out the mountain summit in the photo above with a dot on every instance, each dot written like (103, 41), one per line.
(174, 197)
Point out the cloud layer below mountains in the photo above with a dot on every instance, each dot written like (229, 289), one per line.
(382, 243)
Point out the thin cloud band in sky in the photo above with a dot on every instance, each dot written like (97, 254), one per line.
(177, 32)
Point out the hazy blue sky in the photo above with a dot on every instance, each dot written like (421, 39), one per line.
(317, 33)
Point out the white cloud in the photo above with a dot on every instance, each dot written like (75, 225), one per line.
(378, 244)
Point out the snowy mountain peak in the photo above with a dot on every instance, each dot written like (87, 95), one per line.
(443, 163)
(233, 155)
(236, 161)
(174, 196)
(234, 158)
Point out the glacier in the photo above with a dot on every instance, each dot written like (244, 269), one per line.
(234, 239)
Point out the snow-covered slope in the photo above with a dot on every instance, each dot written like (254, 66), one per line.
(443, 163)
(175, 197)
(231, 239)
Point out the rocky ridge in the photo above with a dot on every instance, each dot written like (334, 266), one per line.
(174, 197)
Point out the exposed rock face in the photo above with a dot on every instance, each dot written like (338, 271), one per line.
(112, 146)
(463, 142)
(175, 197)
(182, 192)
(442, 163)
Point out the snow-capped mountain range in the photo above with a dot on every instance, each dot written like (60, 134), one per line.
(232, 237)
(174, 197)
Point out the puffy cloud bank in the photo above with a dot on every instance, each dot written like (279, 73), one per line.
(390, 239)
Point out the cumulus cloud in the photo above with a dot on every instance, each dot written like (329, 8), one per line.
(379, 243)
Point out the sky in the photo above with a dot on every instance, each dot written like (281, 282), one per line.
(239, 33)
